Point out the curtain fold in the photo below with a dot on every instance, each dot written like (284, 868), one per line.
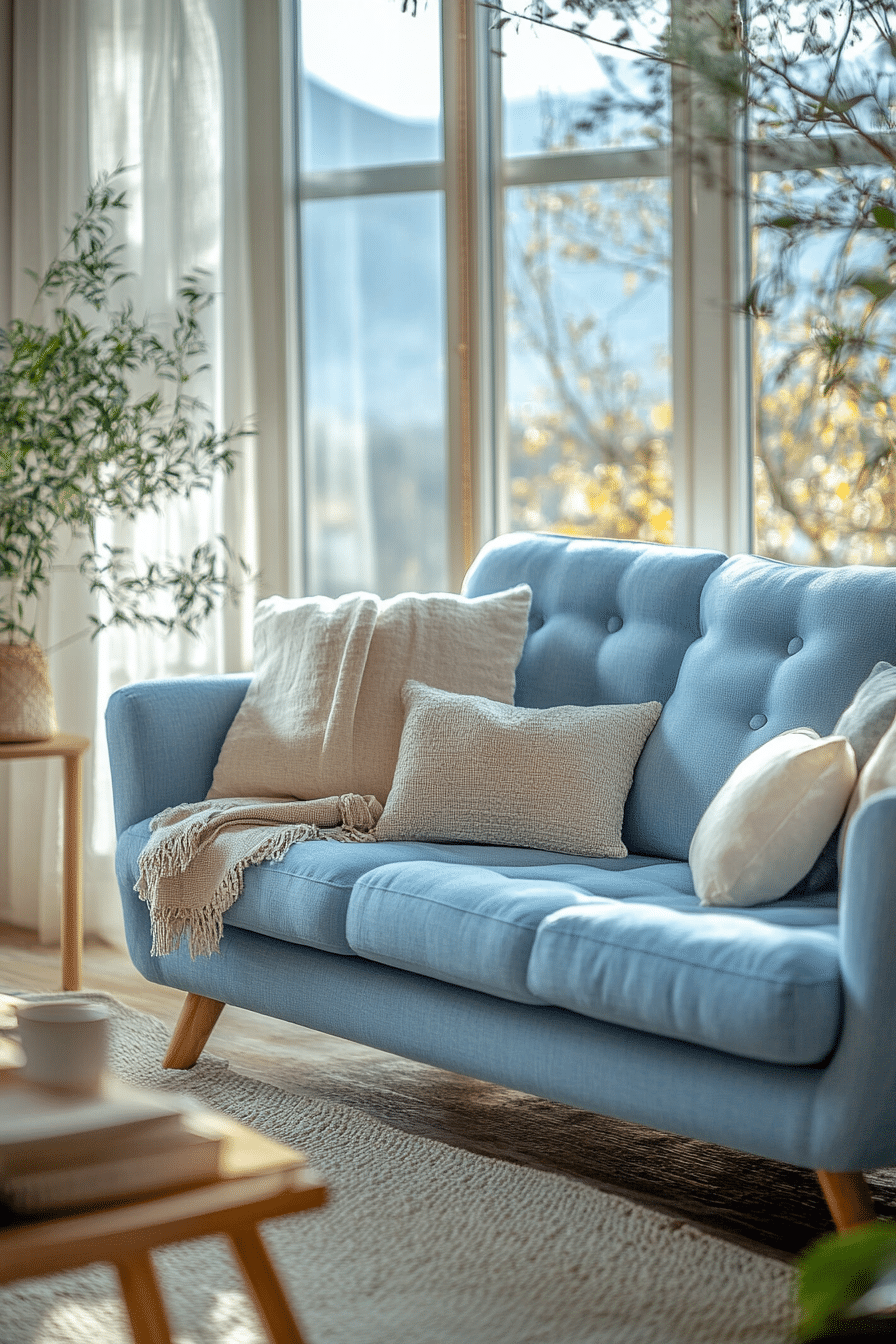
(157, 86)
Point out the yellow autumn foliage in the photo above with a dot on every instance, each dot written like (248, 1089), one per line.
(590, 453)
(816, 500)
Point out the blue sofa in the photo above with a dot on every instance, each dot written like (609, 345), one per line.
(600, 983)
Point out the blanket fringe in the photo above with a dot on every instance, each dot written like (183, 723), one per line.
(359, 816)
(193, 828)
(181, 846)
(203, 928)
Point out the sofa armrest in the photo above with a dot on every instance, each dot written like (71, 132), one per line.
(859, 1086)
(164, 738)
(868, 903)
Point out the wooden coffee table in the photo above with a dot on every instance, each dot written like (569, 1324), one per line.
(260, 1179)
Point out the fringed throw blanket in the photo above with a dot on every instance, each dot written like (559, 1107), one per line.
(191, 871)
(321, 721)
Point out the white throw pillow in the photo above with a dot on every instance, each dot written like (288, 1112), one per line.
(323, 713)
(879, 773)
(476, 772)
(770, 821)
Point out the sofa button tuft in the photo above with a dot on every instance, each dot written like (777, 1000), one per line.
(758, 721)
(614, 624)
(795, 645)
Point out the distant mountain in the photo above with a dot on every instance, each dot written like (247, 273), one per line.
(374, 317)
(338, 132)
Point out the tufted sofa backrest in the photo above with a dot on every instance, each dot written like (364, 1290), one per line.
(781, 646)
(736, 650)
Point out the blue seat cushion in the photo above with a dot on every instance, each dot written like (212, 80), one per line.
(304, 897)
(754, 988)
(503, 921)
(469, 927)
(678, 968)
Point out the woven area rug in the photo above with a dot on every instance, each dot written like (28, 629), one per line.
(766, 1205)
(423, 1243)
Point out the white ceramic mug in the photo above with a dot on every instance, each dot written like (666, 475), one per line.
(65, 1043)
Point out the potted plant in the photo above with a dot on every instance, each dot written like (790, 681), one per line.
(97, 420)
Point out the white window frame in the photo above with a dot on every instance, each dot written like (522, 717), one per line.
(713, 432)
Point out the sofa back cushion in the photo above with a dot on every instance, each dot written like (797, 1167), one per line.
(323, 714)
(737, 650)
(781, 647)
(610, 621)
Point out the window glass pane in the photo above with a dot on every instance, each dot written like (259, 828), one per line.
(588, 358)
(825, 71)
(373, 277)
(824, 112)
(562, 91)
(825, 482)
(371, 92)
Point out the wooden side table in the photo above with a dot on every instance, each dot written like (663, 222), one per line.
(71, 748)
(259, 1179)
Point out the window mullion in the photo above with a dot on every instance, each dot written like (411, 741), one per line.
(580, 165)
(293, 483)
(683, 349)
(474, 280)
(379, 181)
(711, 441)
(460, 279)
(490, 451)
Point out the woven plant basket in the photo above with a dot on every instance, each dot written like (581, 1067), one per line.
(27, 712)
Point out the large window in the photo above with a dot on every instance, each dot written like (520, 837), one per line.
(372, 232)
(816, 500)
(587, 278)
(520, 309)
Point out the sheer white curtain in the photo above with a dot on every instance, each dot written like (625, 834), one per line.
(158, 86)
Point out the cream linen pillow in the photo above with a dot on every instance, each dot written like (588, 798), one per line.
(323, 715)
(879, 773)
(768, 824)
(473, 771)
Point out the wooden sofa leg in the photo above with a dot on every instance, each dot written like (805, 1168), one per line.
(848, 1197)
(194, 1026)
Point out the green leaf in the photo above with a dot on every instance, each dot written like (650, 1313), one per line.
(839, 106)
(884, 217)
(784, 221)
(82, 436)
(838, 1270)
(876, 458)
(753, 305)
(877, 283)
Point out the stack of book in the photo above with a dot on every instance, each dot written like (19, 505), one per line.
(60, 1152)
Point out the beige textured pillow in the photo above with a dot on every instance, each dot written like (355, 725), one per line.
(323, 714)
(879, 773)
(770, 821)
(473, 771)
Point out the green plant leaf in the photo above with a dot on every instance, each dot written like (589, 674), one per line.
(839, 106)
(839, 1269)
(97, 419)
(884, 217)
(877, 283)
